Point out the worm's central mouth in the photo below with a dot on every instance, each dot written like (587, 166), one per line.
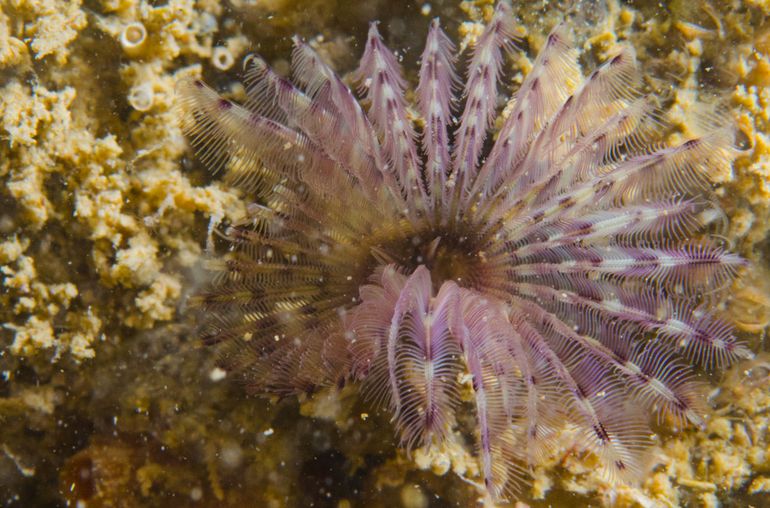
(449, 255)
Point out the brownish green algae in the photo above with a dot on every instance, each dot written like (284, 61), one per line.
(105, 396)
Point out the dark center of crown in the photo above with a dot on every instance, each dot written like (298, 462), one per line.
(450, 259)
(449, 255)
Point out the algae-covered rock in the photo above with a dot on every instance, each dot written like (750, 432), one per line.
(106, 220)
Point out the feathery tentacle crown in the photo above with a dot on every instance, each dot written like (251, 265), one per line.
(562, 264)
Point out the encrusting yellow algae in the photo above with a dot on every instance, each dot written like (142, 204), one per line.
(105, 396)
(50, 26)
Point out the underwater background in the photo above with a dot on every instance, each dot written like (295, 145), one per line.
(107, 398)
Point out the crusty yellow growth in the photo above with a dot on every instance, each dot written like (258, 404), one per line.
(98, 200)
(50, 26)
(753, 115)
(100, 226)
(12, 50)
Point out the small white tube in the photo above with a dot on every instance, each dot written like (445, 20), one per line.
(132, 37)
(221, 58)
(141, 97)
